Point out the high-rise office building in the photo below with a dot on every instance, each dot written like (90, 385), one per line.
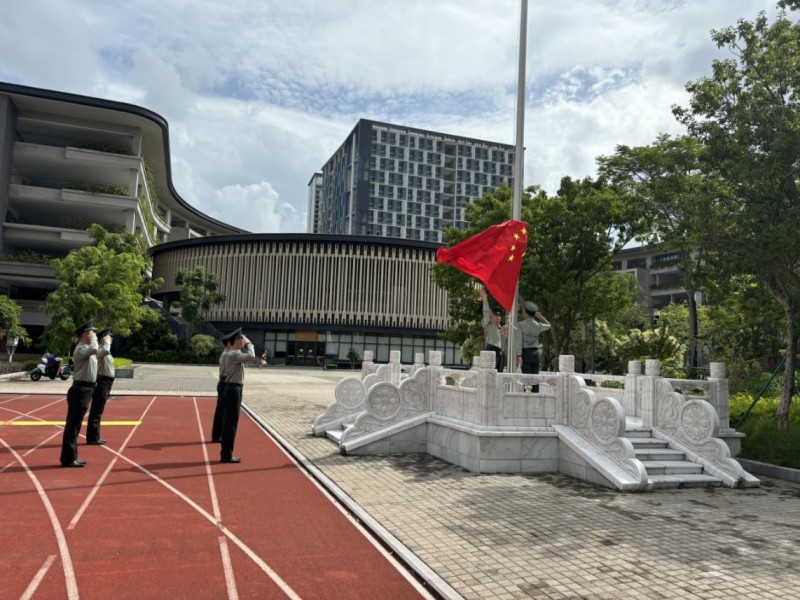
(394, 181)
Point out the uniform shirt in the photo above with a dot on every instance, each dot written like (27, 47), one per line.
(529, 330)
(234, 363)
(85, 360)
(222, 358)
(105, 362)
(491, 332)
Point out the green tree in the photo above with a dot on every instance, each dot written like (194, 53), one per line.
(202, 345)
(666, 181)
(199, 295)
(747, 116)
(10, 324)
(105, 282)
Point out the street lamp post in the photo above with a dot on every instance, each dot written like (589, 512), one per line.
(11, 345)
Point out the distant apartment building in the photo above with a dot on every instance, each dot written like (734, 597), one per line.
(314, 196)
(657, 272)
(393, 181)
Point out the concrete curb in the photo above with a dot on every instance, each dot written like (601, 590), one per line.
(774, 471)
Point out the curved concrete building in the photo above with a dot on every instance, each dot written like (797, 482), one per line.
(312, 299)
(67, 161)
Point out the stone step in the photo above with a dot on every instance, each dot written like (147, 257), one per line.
(647, 442)
(671, 467)
(659, 454)
(336, 434)
(684, 481)
(637, 433)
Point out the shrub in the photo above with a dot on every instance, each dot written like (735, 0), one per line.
(202, 345)
(764, 442)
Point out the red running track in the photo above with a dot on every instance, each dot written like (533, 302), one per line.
(154, 514)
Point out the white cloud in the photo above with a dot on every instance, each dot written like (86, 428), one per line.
(259, 93)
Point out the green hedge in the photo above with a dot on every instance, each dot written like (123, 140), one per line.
(764, 442)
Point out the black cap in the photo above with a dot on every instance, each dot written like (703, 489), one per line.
(88, 326)
(497, 311)
(103, 333)
(232, 336)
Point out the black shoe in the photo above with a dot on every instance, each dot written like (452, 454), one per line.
(96, 443)
(232, 459)
(75, 464)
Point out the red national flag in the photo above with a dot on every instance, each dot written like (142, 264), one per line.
(493, 256)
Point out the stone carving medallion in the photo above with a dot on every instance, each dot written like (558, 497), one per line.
(605, 421)
(697, 421)
(383, 401)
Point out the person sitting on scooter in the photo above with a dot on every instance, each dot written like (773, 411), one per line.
(54, 366)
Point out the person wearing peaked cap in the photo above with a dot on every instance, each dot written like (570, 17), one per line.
(216, 426)
(102, 390)
(527, 342)
(79, 394)
(242, 352)
(493, 331)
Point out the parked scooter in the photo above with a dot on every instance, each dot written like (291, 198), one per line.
(52, 366)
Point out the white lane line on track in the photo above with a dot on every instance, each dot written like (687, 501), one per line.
(13, 398)
(230, 581)
(34, 584)
(110, 466)
(285, 588)
(63, 547)
(31, 415)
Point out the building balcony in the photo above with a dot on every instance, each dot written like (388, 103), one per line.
(44, 238)
(74, 164)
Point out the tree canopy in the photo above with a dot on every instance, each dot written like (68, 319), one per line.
(746, 115)
(105, 282)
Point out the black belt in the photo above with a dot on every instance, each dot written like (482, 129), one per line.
(83, 383)
(535, 348)
(495, 348)
(237, 384)
(105, 377)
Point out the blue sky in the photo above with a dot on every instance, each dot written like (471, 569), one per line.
(260, 93)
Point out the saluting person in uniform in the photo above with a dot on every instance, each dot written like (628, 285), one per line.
(527, 342)
(241, 353)
(493, 332)
(79, 394)
(216, 427)
(102, 390)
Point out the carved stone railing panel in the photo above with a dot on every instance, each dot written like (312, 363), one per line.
(387, 404)
(601, 421)
(350, 395)
(695, 425)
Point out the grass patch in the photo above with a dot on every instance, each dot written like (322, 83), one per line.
(764, 442)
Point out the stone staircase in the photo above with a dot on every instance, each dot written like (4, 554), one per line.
(667, 468)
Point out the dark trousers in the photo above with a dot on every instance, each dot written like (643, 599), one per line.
(498, 353)
(530, 363)
(231, 403)
(79, 396)
(216, 426)
(99, 398)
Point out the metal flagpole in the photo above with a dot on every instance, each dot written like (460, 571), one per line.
(519, 162)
